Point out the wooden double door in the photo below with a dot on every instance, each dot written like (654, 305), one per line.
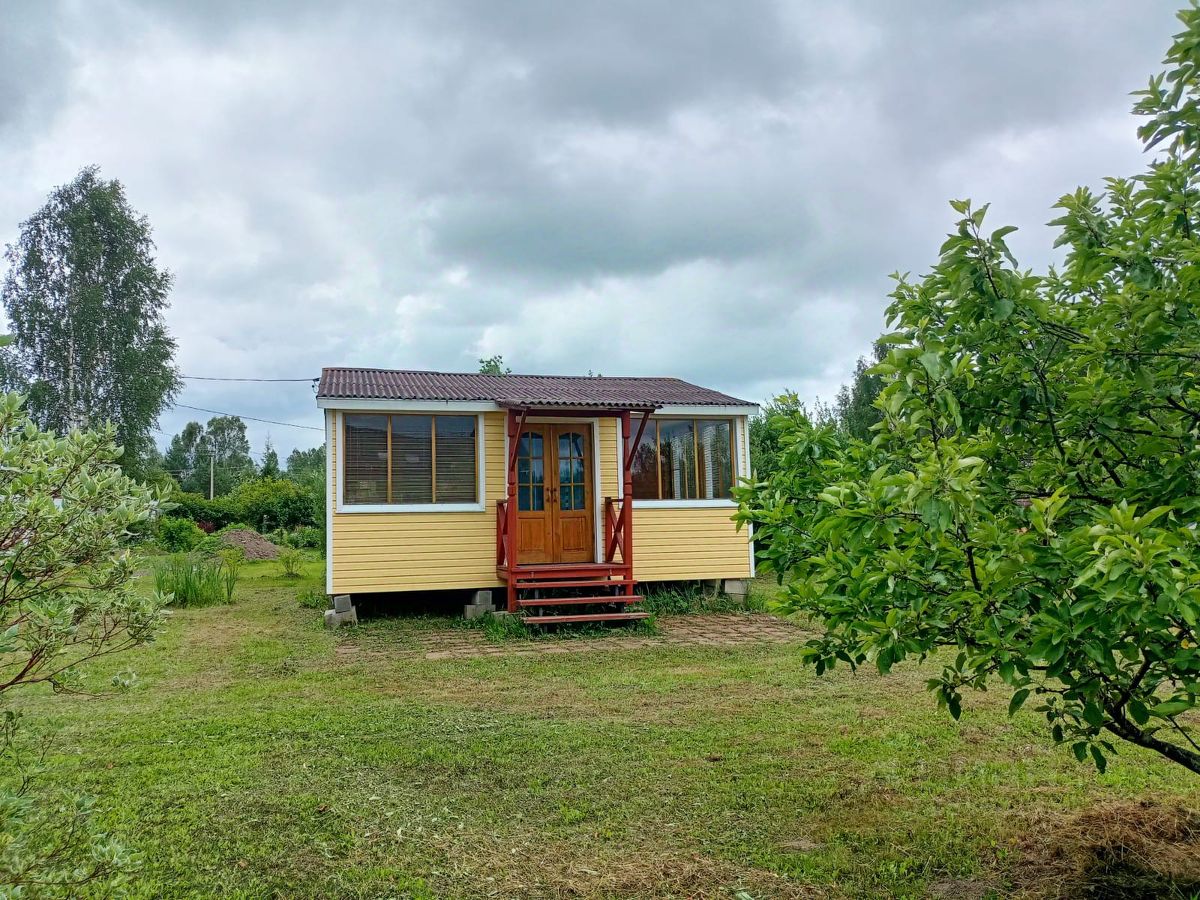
(555, 494)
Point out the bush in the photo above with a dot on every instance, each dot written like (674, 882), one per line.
(269, 503)
(176, 534)
(195, 580)
(304, 538)
(265, 504)
(209, 515)
(291, 560)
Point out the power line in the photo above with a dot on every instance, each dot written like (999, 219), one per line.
(212, 378)
(217, 412)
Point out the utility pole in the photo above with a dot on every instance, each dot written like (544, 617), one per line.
(210, 477)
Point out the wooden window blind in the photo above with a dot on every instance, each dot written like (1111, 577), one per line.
(455, 443)
(366, 465)
(684, 459)
(410, 459)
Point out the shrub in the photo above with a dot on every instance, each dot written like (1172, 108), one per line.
(176, 534)
(196, 580)
(208, 514)
(67, 597)
(291, 559)
(269, 503)
(304, 538)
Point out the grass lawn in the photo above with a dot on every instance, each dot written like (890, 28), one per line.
(253, 758)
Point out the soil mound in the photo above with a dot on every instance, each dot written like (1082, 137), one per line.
(251, 543)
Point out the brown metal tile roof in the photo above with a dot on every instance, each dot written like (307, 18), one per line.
(600, 392)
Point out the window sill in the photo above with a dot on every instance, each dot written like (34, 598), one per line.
(683, 504)
(355, 508)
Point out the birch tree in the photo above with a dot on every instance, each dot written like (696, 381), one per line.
(85, 299)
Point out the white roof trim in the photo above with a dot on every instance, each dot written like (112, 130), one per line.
(704, 411)
(473, 406)
(370, 405)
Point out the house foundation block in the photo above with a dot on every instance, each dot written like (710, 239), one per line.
(480, 605)
(736, 587)
(343, 612)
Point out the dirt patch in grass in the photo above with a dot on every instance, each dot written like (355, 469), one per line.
(1146, 849)
(253, 544)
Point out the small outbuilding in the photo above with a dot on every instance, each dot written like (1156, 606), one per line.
(564, 492)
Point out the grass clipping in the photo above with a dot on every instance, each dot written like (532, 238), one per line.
(1146, 849)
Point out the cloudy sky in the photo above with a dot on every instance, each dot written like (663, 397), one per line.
(713, 190)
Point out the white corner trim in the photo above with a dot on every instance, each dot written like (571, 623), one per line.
(403, 406)
(480, 505)
(330, 418)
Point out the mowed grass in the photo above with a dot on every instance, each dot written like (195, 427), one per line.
(259, 755)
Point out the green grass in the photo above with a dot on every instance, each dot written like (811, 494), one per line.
(259, 755)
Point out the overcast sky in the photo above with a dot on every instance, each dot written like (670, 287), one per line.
(715, 191)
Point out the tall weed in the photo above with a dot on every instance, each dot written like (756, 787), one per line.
(196, 580)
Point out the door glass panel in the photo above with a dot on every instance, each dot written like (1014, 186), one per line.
(571, 495)
(531, 493)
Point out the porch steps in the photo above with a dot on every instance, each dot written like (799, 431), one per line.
(587, 617)
(578, 601)
(579, 592)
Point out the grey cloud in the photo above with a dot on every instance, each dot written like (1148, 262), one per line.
(712, 190)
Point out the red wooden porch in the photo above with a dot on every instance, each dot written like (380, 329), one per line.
(560, 592)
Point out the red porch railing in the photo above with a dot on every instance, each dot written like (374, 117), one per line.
(503, 537)
(617, 530)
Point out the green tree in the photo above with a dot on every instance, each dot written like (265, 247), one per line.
(854, 410)
(766, 429)
(85, 299)
(494, 365)
(220, 450)
(66, 597)
(270, 463)
(301, 463)
(1029, 504)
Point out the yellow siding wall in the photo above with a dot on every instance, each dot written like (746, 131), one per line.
(374, 552)
(425, 550)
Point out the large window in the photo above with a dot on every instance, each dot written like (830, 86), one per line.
(395, 459)
(684, 459)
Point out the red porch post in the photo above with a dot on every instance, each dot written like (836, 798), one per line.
(514, 435)
(627, 506)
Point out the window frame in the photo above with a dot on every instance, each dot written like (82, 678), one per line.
(735, 462)
(478, 505)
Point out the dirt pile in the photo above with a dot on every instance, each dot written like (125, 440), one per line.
(251, 543)
(1146, 849)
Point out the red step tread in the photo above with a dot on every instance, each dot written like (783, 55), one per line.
(582, 583)
(576, 601)
(584, 617)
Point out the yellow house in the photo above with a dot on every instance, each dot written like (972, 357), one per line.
(565, 492)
